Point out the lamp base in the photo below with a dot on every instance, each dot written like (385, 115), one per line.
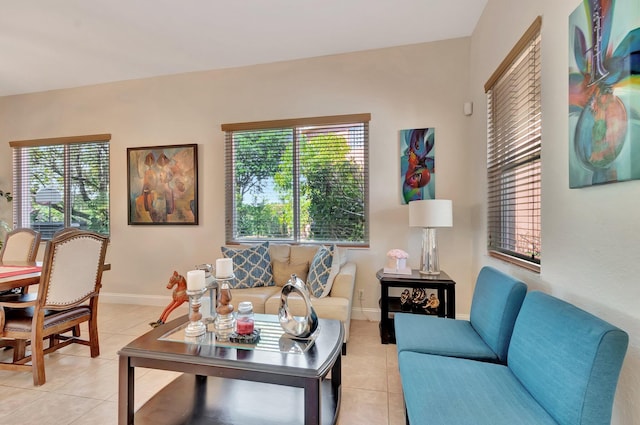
(429, 273)
(429, 264)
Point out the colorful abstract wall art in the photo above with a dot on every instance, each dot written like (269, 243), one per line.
(417, 164)
(604, 92)
(162, 184)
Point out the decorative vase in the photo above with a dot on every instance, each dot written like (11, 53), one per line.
(300, 327)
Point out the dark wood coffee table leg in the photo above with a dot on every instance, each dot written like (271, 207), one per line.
(336, 377)
(385, 323)
(312, 402)
(126, 391)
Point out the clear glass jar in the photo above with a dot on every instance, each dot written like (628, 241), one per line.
(245, 319)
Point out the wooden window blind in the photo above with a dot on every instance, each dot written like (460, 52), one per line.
(300, 180)
(513, 154)
(61, 182)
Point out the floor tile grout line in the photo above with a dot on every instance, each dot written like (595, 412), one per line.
(363, 332)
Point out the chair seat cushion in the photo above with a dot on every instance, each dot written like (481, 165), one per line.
(441, 336)
(327, 308)
(257, 296)
(20, 319)
(453, 391)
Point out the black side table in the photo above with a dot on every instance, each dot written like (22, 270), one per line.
(445, 286)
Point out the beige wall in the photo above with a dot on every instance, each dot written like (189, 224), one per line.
(407, 87)
(589, 236)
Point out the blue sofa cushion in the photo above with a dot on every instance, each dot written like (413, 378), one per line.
(496, 301)
(568, 359)
(495, 305)
(438, 335)
(442, 390)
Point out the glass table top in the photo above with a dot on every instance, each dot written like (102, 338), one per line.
(272, 337)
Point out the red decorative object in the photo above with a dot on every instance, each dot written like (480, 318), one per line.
(8, 271)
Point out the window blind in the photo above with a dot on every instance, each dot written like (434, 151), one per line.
(513, 152)
(301, 180)
(61, 182)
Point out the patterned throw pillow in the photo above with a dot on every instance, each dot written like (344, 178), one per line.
(251, 266)
(322, 272)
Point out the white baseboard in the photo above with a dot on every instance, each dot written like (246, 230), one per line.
(116, 298)
(357, 313)
(368, 314)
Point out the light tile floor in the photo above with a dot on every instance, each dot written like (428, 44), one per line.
(82, 390)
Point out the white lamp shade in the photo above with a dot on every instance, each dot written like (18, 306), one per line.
(431, 213)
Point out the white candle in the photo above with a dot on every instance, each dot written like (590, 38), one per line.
(224, 267)
(195, 280)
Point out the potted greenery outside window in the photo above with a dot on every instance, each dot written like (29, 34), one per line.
(4, 226)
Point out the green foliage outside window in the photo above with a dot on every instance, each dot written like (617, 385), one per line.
(308, 186)
(62, 183)
(87, 173)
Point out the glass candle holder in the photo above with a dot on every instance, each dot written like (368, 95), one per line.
(209, 302)
(224, 322)
(196, 326)
(225, 326)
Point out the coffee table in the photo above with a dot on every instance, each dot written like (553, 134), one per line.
(278, 381)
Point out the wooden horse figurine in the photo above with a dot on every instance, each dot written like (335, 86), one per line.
(179, 296)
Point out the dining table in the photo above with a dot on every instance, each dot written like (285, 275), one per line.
(16, 274)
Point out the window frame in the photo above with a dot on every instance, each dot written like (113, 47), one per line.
(18, 168)
(293, 124)
(519, 155)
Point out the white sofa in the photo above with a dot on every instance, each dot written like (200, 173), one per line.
(286, 259)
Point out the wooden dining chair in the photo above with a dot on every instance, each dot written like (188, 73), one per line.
(67, 296)
(20, 245)
(65, 230)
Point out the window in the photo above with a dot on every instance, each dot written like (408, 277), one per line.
(513, 154)
(61, 182)
(301, 180)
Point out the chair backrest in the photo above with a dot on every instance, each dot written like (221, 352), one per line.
(496, 302)
(568, 359)
(65, 230)
(72, 269)
(20, 245)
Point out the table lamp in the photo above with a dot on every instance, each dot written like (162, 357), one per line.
(430, 214)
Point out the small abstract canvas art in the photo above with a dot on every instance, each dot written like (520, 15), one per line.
(417, 164)
(604, 92)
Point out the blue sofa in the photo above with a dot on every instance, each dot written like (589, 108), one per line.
(497, 299)
(562, 368)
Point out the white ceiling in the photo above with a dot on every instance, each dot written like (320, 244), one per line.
(52, 44)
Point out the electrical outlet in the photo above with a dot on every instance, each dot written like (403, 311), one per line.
(360, 294)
